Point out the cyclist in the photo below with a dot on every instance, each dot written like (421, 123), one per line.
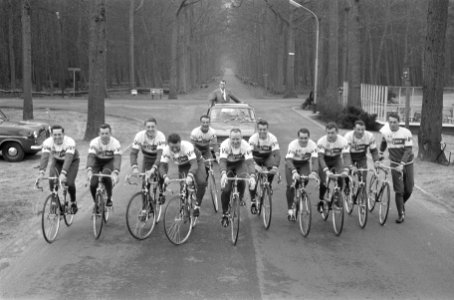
(359, 140)
(235, 158)
(150, 142)
(333, 152)
(104, 155)
(266, 154)
(301, 159)
(203, 137)
(399, 142)
(65, 161)
(190, 164)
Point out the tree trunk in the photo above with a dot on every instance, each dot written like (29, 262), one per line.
(354, 55)
(429, 135)
(12, 56)
(97, 68)
(290, 78)
(61, 70)
(333, 48)
(173, 60)
(132, 82)
(27, 112)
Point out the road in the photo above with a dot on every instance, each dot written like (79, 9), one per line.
(411, 260)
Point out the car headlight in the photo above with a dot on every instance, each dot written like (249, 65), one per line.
(35, 134)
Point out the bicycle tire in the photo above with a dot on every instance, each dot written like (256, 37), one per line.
(177, 221)
(140, 216)
(384, 199)
(266, 206)
(50, 214)
(362, 207)
(325, 211)
(338, 212)
(68, 216)
(304, 214)
(98, 218)
(154, 197)
(348, 200)
(235, 219)
(213, 192)
(372, 193)
(105, 209)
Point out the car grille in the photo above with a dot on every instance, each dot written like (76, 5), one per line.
(41, 137)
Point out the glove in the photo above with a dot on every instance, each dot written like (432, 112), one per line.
(329, 174)
(274, 170)
(189, 180)
(252, 182)
(89, 175)
(153, 170)
(166, 180)
(217, 156)
(114, 178)
(223, 180)
(62, 178)
(135, 171)
(295, 176)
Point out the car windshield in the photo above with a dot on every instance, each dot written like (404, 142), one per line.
(232, 114)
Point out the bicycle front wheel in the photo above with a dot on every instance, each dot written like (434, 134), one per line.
(98, 216)
(304, 214)
(338, 212)
(348, 199)
(234, 219)
(266, 207)
(373, 192)
(140, 216)
(361, 201)
(50, 218)
(177, 221)
(383, 202)
(68, 216)
(213, 192)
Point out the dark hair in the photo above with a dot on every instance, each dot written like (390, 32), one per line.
(262, 122)
(303, 130)
(236, 129)
(104, 126)
(394, 115)
(360, 122)
(173, 138)
(57, 127)
(204, 117)
(332, 125)
(150, 120)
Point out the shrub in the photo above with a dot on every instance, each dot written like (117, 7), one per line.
(346, 117)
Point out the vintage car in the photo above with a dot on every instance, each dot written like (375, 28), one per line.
(18, 138)
(226, 116)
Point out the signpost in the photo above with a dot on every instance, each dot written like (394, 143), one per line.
(406, 79)
(74, 70)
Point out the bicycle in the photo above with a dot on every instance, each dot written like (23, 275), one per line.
(212, 184)
(234, 208)
(54, 210)
(379, 192)
(144, 209)
(178, 214)
(100, 211)
(302, 207)
(264, 195)
(334, 201)
(358, 195)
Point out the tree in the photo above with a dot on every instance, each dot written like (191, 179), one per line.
(290, 78)
(27, 112)
(354, 55)
(97, 68)
(429, 136)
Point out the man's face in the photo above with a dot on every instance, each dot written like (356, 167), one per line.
(105, 135)
(151, 128)
(175, 147)
(222, 85)
(57, 135)
(205, 124)
(235, 139)
(393, 123)
(303, 139)
(263, 131)
(359, 130)
(331, 134)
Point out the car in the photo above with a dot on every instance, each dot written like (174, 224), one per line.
(226, 116)
(18, 138)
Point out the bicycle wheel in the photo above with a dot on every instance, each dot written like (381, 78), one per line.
(348, 199)
(98, 217)
(338, 212)
(266, 207)
(361, 204)
(140, 216)
(213, 192)
(304, 214)
(235, 219)
(373, 192)
(325, 211)
(177, 221)
(50, 218)
(156, 204)
(68, 216)
(383, 202)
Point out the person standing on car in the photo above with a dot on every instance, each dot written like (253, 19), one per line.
(221, 95)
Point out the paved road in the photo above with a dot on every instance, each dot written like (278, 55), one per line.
(412, 260)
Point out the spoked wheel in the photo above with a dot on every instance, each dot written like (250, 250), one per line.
(98, 216)
(213, 192)
(235, 219)
(383, 202)
(361, 201)
(50, 218)
(338, 213)
(177, 221)
(140, 216)
(266, 207)
(158, 207)
(348, 199)
(304, 214)
(68, 216)
(373, 192)
(325, 211)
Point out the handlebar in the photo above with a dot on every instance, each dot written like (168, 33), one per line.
(38, 181)
(304, 177)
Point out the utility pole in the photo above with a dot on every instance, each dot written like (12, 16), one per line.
(406, 79)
